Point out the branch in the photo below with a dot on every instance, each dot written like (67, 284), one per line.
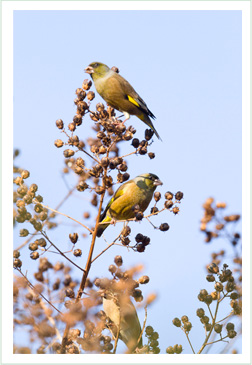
(37, 292)
(62, 253)
(65, 215)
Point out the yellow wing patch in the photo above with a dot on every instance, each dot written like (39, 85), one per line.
(133, 101)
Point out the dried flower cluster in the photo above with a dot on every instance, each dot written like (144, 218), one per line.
(224, 288)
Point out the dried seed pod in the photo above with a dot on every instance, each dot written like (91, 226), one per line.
(139, 237)
(33, 188)
(177, 322)
(25, 174)
(148, 134)
(184, 319)
(118, 260)
(58, 143)
(72, 126)
(34, 255)
(99, 190)
(179, 195)
(81, 94)
(151, 155)
(204, 319)
(33, 246)
(149, 330)
(82, 186)
(139, 216)
(77, 119)
(16, 254)
(146, 240)
(68, 153)
(218, 286)
(135, 142)
(125, 176)
(200, 312)
(142, 150)
(90, 95)
(157, 196)
(86, 84)
(169, 195)
(168, 204)
(210, 278)
(144, 279)
(232, 334)
(77, 252)
(73, 237)
(140, 247)
(175, 210)
(17, 263)
(164, 227)
(126, 231)
(170, 350)
(125, 241)
(187, 326)
(60, 124)
(230, 326)
(128, 136)
(213, 268)
(23, 232)
(112, 269)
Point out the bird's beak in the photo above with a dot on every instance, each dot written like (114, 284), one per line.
(89, 70)
(158, 182)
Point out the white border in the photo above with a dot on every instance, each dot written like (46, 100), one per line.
(7, 150)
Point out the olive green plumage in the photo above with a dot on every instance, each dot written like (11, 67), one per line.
(121, 311)
(119, 94)
(136, 191)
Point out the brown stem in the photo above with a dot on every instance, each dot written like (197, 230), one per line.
(189, 342)
(65, 215)
(213, 323)
(87, 268)
(62, 253)
(37, 292)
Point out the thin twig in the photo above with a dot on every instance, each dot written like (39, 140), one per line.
(221, 339)
(189, 342)
(37, 292)
(65, 215)
(110, 245)
(61, 253)
(87, 268)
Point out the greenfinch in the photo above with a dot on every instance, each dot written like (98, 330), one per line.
(118, 93)
(138, 191)
(122, 313)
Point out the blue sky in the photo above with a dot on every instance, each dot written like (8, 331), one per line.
(186, 65)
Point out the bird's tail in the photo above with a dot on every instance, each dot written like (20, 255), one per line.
(149, 123)
(103, 226)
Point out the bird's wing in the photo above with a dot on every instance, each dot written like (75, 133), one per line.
(133, 96)
(116, 90)
(119, 192)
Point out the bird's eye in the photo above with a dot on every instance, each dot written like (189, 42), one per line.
(95, 65)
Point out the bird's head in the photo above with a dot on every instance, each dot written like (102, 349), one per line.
(150, 180)
(97, 70)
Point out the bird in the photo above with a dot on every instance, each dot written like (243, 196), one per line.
(138, 191)
(119, 94)
(122, 313)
